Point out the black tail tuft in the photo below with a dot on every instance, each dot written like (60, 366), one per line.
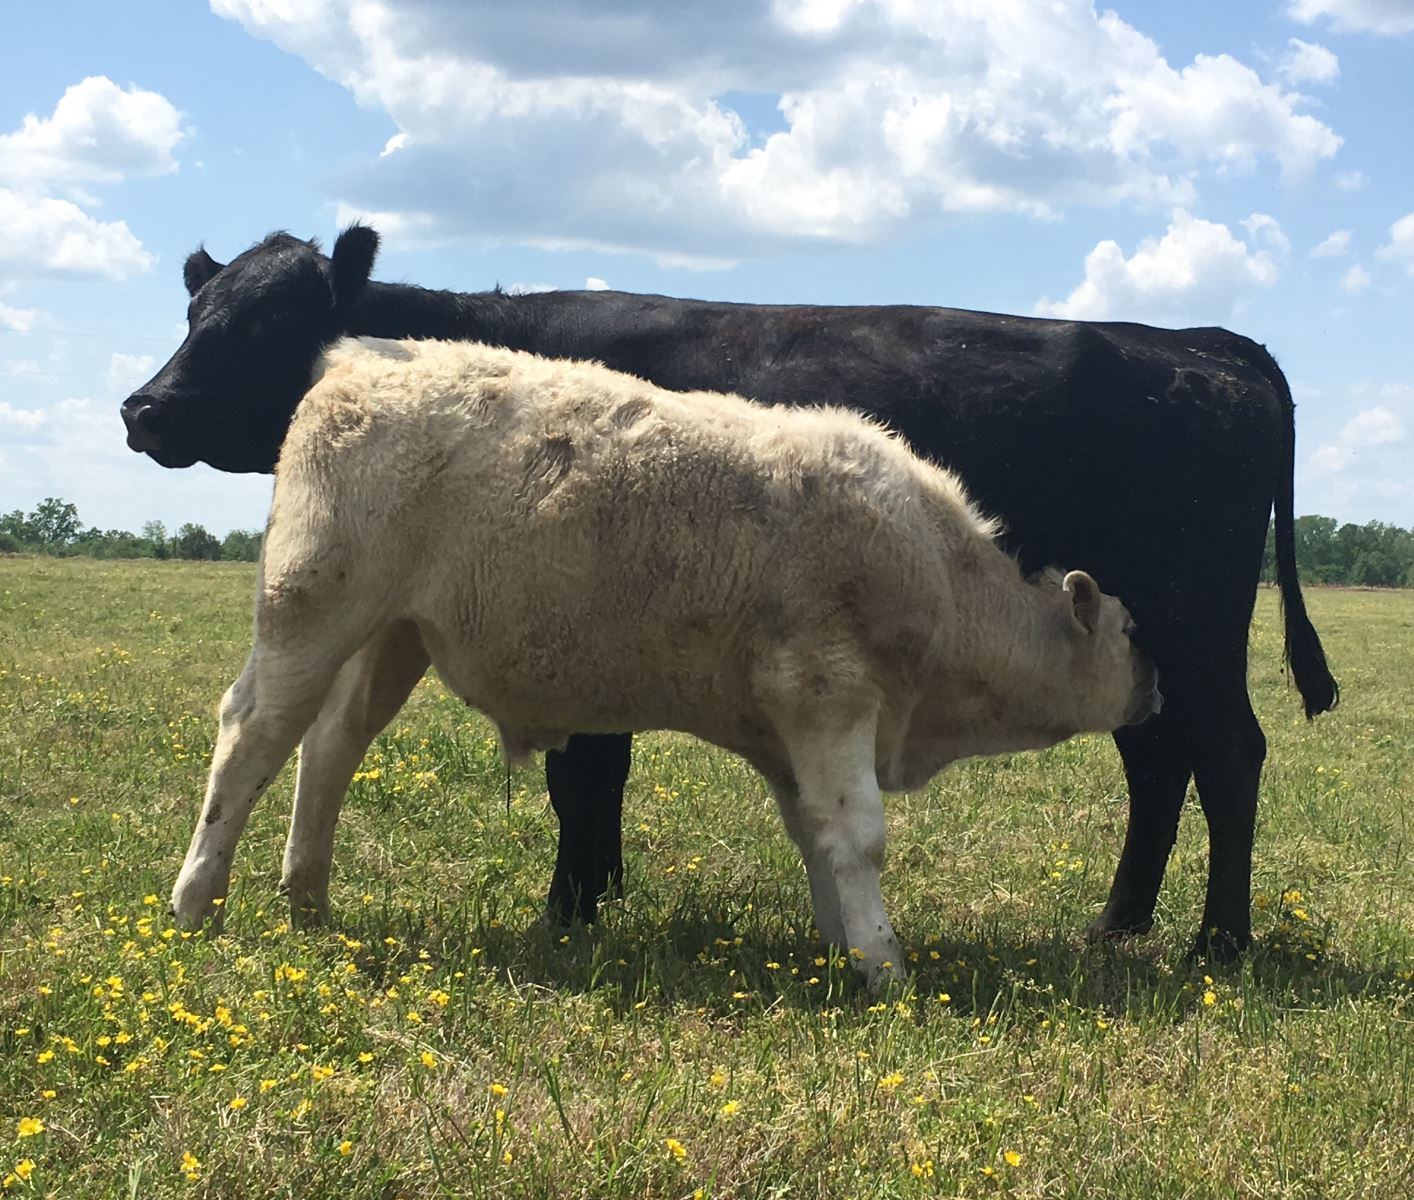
(1304, 653)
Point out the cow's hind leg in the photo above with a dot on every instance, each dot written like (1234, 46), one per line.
(367, 693)
(839, 823)
(586, 783)
(1227, 766)
(1156, 768)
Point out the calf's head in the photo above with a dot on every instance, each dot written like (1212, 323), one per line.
(255, 328)
(1107, 679)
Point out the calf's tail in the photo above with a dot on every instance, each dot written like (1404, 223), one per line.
(1304, 654)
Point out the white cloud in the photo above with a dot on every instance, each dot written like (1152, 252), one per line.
(1350, 181)
(1400, 247)
(126, 371)
(1335, 244)
(1305, 62)
(1355, 280)
(394, 144)
(56, 237)
(19, 319)
(1372, 427)
(595, 284)
(98, 133)
(20, 421)
(1265, 228)
(529, 289)
(1389, 17)
(893, 113)
(1196, 273)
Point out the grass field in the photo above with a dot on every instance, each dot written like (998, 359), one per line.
(436, 1041)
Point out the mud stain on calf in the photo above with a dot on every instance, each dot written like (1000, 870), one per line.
(545, 467)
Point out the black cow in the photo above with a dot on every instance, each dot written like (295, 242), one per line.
(1152, 456)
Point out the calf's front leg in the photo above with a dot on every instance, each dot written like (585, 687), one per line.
(838, 822)
(263, 715)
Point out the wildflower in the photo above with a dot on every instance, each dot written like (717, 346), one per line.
(922, 1170)
(675, 1148)
(268, 1084)
(1013, 1159)
(730, 1108)
(365, 1057)
(346, 1147)
(320, 1072)
(191, 1165)
(44, 1056)
(889, 1082)
(499, 1089)
(429, 1060)
(717, 1080)
(1210, 998)
(28, 1127)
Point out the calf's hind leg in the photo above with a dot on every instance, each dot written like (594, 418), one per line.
(367, 693)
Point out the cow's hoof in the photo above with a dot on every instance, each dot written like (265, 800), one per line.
(1219, 945)
(1105, 928)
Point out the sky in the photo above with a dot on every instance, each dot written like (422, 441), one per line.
(1205, 163)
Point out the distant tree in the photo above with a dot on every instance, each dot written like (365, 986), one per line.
(15, 532)
(194, 542)
(155, 533)
(241, 545)
(55, 523)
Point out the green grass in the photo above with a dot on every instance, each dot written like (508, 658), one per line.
(436, 1041)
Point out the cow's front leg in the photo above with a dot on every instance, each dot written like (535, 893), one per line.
(263, 715)
(367, 693)
(839, 824)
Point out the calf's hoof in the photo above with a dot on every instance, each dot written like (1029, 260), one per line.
(308, 910)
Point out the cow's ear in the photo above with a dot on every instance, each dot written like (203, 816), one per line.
(352, 260)
(198, 269)
(1084, 599)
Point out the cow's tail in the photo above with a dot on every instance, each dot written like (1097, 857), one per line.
(1304, 654)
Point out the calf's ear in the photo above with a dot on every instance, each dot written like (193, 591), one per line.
(352, 260)
(198, 269)
(1084, 599)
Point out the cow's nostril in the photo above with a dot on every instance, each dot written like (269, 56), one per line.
(141, 416)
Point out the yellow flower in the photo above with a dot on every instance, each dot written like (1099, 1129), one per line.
(922, 1170)
(320, 1072)
(889, 1082)
(676, 1148)
(29, 1126)
(499, 1089)
(24, 1168)
(1013, 1159)
(191, 1165)
(729, 1108)
(44, 1056)
(238, 1103)
(429, 1060)
(1210, 998)
(365, 1057)
(346, 1147)
(717, 1079)
(267, 1084)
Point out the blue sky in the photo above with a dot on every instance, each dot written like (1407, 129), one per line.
(1243, 165)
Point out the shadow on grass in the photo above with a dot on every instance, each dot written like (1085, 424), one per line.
(724, 952)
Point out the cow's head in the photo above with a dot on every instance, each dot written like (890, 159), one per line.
(255, 328)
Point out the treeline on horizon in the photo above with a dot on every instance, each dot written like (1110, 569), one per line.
(1375, 554)
(54, 528)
